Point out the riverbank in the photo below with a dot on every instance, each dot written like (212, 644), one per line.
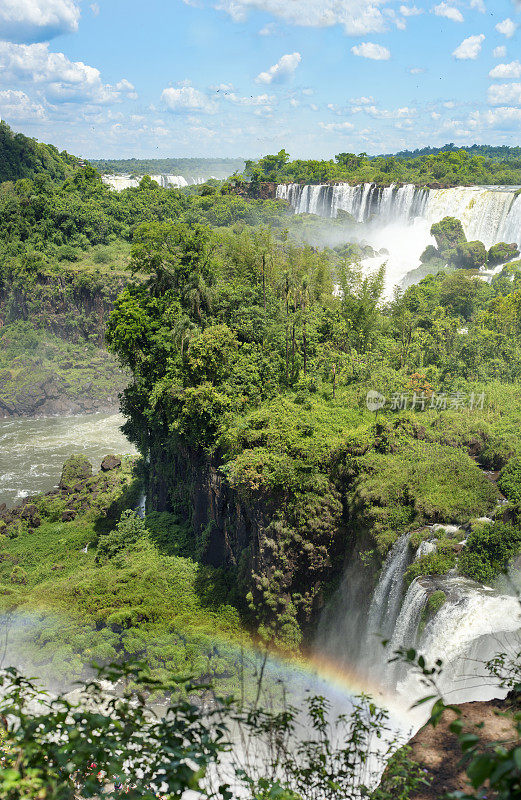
(32, 450)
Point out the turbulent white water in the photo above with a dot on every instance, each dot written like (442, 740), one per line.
(32, 451)
(474, 624)
(400, 218)
(120, 182)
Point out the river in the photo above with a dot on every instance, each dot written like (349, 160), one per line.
(32, 451)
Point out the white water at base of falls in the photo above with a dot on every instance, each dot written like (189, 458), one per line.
(400, 218)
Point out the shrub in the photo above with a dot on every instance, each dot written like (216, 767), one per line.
(509, 481)
(489, 551)
(127, 532)
(67, 253)
(75, 469)
(438, 563)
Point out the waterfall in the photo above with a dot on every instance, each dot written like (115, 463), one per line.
(489, 214)
(474, 624)
(120, 182)
(362, 202)
(399, 218)
(387, 599)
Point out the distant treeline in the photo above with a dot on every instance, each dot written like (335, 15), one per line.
(444, 168)
(499, 153)
(187, 167)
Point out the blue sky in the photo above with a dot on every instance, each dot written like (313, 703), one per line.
(122, 78)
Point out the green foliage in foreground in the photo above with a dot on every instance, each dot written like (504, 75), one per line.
(51, 744)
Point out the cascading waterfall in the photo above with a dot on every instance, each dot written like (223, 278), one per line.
(387, 599)
(474, 624)
(120, 182)
(489, 214)
(399, 218)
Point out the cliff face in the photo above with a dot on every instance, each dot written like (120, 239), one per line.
(284, 560)
(52, 354)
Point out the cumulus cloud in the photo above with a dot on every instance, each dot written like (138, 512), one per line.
(336, 126)
(448, 11)
(504, 94)
(60, 79)
(185, 98)
(512, 70)
(470, 48)
(268, 30)
(504, 118)
(126, 88)
(508, 27)
(17, 106)
(376, 52)
(410, 11)
(282, 70)
(26, 21)
(254, 100)
(358, 17)
(479, 5)
(383, 113)
(499, 52)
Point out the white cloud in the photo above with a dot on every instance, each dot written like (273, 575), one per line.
(186, 98)
(283, 69)
(416, 70)
(410, 11)
(362, 101)
(16, 105)
(479, 5)
(94, 7)
(502, 94)
(253, 100)
(470, 48)
(508, 27)
(499, 52)
(504, 118)
(382, 113)
(60, 79)
(448, 11)
(376, 52)
(336, 126)
(358, 17)
(512, 70)
(126, 88)
(25, 21)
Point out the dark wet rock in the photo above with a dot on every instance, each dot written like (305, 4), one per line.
(68, 515)
(110, 463)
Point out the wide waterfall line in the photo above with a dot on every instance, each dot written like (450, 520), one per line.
(121, 182)
(488, 214)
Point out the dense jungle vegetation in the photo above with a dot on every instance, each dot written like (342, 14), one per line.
(247, 398)
(444, 168)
